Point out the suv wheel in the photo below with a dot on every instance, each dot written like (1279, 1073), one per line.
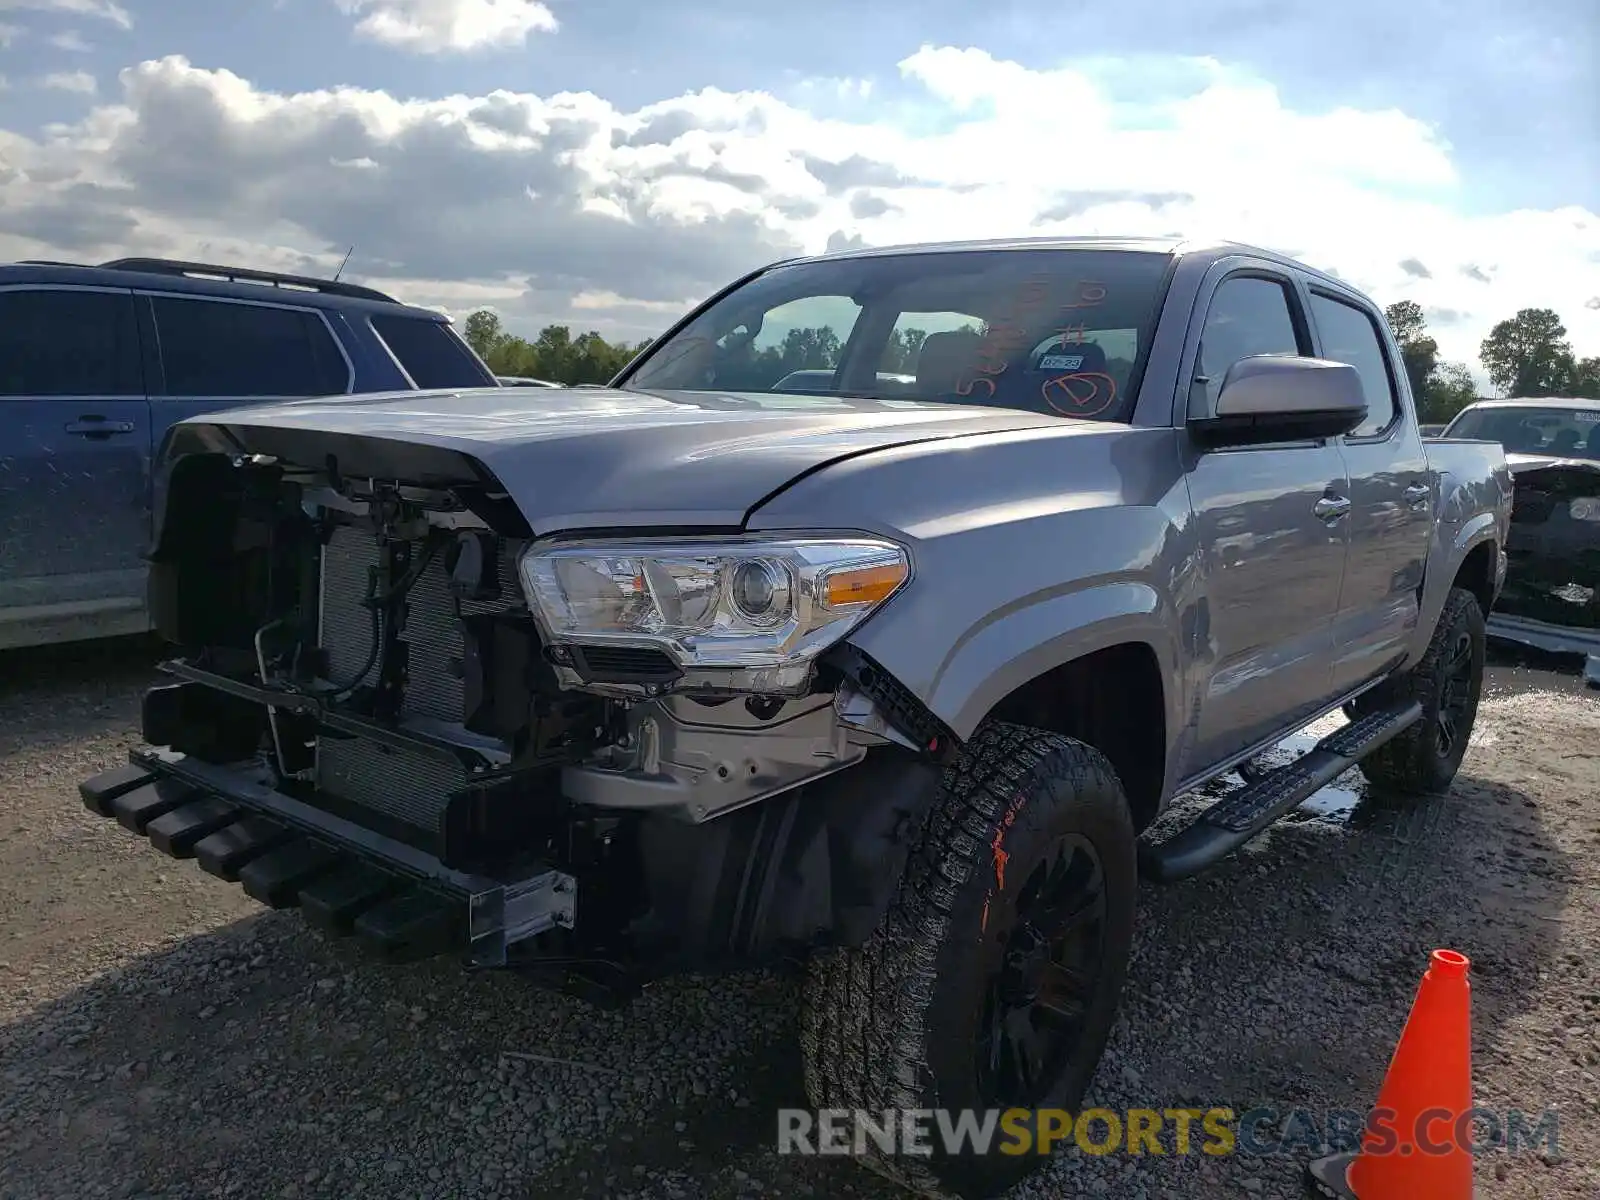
(1447, 682)
(994, 979)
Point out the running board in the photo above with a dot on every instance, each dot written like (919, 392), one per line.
(1244, 813)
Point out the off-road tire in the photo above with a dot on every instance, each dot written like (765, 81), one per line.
(893, 1024)
(1417, 763)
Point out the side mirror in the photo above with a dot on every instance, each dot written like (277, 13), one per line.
(1272, 398)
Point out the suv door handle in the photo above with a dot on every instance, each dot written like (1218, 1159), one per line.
(1417, 494)
(97, 427)
(1331, 508)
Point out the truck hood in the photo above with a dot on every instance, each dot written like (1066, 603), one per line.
(1521, 464)
(588, 458)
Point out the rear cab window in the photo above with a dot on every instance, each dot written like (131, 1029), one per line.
(69, 342)
(911, 329)
(431, 353)
(215, 347)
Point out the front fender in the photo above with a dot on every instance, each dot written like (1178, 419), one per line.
(1004, 598)
(1029, 638)
(1028, 550)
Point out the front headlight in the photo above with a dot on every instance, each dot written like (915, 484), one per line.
(1584, 508)
(738, 602)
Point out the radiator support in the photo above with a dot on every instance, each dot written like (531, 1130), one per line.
(404, 783)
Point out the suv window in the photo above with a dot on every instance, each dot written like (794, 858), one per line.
(431, 353)
(1248, 316)
(219, 348)
(1349, 336)
(69, 343)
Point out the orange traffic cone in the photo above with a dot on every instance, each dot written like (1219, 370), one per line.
(1417, 1141)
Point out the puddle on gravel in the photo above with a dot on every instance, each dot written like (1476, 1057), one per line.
(1344, 802)
(1333, 804)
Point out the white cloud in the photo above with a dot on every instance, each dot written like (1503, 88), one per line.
(8, 35)
(71, 42)
(440, 26)
(71, 81)
(107, 10)
(567, 208)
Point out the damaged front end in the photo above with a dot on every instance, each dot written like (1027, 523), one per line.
(1551, 599)
(398, 709)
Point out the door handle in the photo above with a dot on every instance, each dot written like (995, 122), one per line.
(97, 427)
(1417, 494)
(1331, 508)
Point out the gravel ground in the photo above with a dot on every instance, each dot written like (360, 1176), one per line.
(164, 1036)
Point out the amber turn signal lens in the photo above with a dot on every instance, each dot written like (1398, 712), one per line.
(862, 585)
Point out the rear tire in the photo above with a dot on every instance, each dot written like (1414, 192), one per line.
(994, 978)
(1447, 683)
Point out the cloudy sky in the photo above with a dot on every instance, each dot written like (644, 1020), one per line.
(607, 162)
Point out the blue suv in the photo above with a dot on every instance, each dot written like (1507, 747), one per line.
(97, 362)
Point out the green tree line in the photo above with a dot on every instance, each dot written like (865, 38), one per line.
(554, 355)
(1524, 355)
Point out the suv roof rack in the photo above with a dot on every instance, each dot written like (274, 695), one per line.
(193, 270)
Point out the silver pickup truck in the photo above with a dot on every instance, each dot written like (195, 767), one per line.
(886, 679)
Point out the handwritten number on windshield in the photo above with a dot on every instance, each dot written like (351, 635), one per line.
(1010, 332)
(1089, 295)
(1003, 335)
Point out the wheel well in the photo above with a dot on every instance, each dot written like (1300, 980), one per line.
(1112, 700)
(1477, 574)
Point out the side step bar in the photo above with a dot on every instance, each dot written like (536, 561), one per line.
(402, 904)
(1242, 814)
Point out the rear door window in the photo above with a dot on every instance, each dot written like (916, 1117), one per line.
(220, 348)
(431, 353)
(1348, 335)
(62, 342)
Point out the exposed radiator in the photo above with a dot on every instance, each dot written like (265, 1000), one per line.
(405, 784)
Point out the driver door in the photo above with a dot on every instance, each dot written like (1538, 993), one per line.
(1271, 532)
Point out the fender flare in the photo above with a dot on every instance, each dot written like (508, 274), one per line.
(1475, 532)
(985, 664)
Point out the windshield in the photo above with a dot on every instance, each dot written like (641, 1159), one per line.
(1053, 331)
(1525, 429)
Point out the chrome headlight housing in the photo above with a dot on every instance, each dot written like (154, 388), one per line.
(759, 604)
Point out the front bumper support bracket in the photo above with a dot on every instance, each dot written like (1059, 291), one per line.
(346, 878)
